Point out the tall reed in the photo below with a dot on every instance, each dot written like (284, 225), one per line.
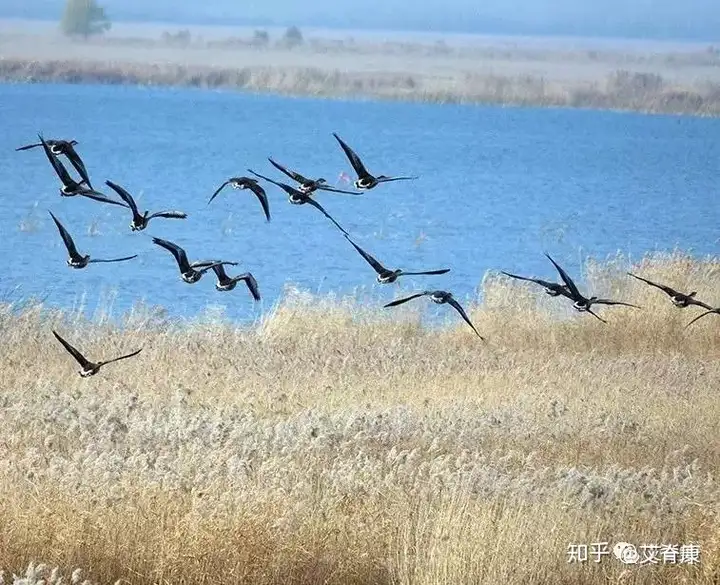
(338, 443)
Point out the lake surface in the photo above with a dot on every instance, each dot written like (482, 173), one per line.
(497, 187)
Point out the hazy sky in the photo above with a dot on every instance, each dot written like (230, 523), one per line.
(698, 19)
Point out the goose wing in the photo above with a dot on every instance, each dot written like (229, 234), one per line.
(168, 214)
(251, 284)
(427, 272)
(379, 268)
(102, 198)
(80, 358)
(610, 302)
(287, 188)
(705, 314)
(526, 278)
(205, 265)
(316, 205)
(260, 193)
(666, 289)
(384, 179)
(122, 357)
(125, 196)
(322, 187)
(220, 188)
(77, 162)
(354, 159)
(288, 173)
(692, 301)
(544, 283)
(566, 279)
(219, 271)
(397, 302)
(66, 237)
(458, 307)
(179, 254)
(113, 260)
(28, 146)
(596, 315)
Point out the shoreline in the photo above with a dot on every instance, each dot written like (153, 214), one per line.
(620, 91)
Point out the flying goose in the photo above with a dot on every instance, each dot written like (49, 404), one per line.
(308, 185)
(225, 282)
(71, 187)
(140, 221)
(365, 180)
(247, 183)
(89, 368)
(75, 259)
(680, 300)
(385, 276)
(299, 198)
(440, 297)
(581, 303)
(188, 271)
(64, 147)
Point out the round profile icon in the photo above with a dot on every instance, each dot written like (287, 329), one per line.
(626, 553)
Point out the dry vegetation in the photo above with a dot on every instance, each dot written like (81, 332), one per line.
(621, 90)
(673, 81)
(334, 443)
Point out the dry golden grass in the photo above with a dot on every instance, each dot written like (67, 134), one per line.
(342, 444)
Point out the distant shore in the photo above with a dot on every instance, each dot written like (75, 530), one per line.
(673, 78)
(623, 91)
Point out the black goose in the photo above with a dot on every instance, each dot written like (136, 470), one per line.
(225, 282)
(90, 368)
(64, 147)
(308, 185)
(299, 198)
(140, 221)
(70, 187)
(247, 183)
(551, 288)
(75, 259)
(385, 276)
(705, 314)
(440, 297)
(680, 300)
(581, 303)
(190, 273)
(365, 180)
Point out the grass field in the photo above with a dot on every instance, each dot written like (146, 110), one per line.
(650, 77)
(341, 444)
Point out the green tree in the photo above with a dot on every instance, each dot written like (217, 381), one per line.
(84, 18)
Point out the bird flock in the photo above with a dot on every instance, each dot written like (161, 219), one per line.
(301, 194)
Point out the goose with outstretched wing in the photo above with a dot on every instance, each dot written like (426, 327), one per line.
(364, 179)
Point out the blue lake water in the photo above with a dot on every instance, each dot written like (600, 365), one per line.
(497, 187)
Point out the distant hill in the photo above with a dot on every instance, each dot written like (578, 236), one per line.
(690, 19)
